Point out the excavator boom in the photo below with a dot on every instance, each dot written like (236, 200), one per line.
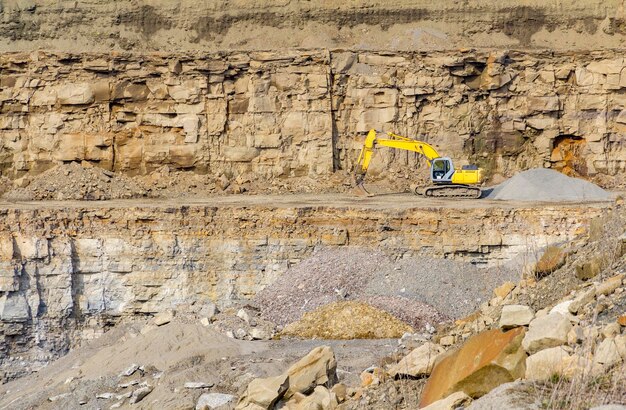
(448, 181)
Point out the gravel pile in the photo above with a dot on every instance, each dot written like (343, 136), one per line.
(75, 182)
(347, 320)
(542, 184)
(415, 290)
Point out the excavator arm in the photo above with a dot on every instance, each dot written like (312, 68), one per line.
(394, 141)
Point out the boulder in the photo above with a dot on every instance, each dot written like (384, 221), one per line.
(589, 269)
(263, 393)
(139, 394)
(515, 315)
(319, 367)
(483, 362)
(164, 318)
(453, 401)
(419, 362)
(583, 297)
(552, 258)
(504, 289)
(607, 354)
(545, 332)
(517, 395)
(608, 286)
(556, 360)
(209, 401)
(321, 399)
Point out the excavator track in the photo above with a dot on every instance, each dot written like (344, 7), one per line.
(450, 191)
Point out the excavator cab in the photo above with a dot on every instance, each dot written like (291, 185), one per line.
(441, 170)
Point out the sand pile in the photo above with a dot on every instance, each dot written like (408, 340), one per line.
(541, 184)
(75, 182)
(347, 320)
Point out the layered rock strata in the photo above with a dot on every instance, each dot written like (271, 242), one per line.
(280, 115)
(70, 270)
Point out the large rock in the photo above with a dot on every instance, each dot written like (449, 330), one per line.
(515, 315)
(263, 393)
(319, 367)
(547, 331)
(517, 395)
(452, 402)
(485, 361)
(607, 354)
(583, 297)
(608, 286)
(213, 400)
(555, 360)
(320, 399)
(419, 362)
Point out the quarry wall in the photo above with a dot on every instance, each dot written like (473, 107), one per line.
(67, 271)
(286, 114)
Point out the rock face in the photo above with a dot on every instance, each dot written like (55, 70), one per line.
(292, 114)
(482, 363)
(103, 263)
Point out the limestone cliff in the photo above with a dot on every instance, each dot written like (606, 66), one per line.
(69, 271)
(279, 115)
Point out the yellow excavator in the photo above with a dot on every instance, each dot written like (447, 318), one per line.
(447, 182)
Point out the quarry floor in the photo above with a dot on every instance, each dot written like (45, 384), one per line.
(338, 200)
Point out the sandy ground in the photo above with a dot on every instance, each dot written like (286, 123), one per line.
(172, 355)
(339, 200)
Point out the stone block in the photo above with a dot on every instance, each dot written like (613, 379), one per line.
(418, 363)
(555, 361)
(547, 331)
(75, 94)
(183, 156)
(515, 315)
(483, 362)
(240, 154)
(452, 402)
(608, 286)
(267, 141)
(581, 299)
(14, 307)
(607, 354)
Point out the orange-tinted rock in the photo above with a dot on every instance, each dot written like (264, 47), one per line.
(622, 320)
(484, 362)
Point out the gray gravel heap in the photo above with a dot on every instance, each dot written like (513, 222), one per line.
(416, 290)
(540, 184)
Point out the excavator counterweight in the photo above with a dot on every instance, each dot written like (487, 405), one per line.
(447, 182)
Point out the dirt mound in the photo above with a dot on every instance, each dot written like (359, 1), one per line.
(541, 184)
(75, 182)
(410, 288)
(347, 320)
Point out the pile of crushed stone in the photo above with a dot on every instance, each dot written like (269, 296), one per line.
(347, 320)
(75, 182)
(418, 291)
(540, 184)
